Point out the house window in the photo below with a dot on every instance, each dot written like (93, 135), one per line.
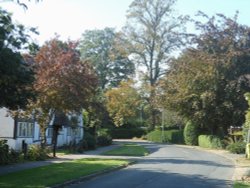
(74, 131)
(78, 132)
(50, 132)
(25, 129)
(69, 131)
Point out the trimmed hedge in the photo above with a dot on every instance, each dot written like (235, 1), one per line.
(170, 136)
(191, 134)
(248, 151)
(127, 133)
(209, 141)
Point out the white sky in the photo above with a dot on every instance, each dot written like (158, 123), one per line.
(70, 18)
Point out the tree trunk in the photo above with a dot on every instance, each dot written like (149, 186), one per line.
(54, 139)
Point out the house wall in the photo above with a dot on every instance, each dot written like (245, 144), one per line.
(7, 132)
(6, 125)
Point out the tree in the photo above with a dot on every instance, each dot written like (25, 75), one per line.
(109, 59)
(21, 3)
(207, 84)
(122, 102)
(16, 75)
(63, 83)
(153, 32)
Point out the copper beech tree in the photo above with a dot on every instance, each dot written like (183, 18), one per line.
(63, 82)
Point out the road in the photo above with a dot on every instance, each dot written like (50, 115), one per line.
(169, 166)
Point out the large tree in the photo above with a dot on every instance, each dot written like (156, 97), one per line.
(63, 83)
(16, 76)
(109, 58)
(153, 33)
(123, 102)
(207, 84)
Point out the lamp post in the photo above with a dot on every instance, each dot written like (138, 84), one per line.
(162, 125)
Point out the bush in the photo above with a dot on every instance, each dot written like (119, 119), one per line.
(4, 152)
(191, 133)
(104, 138)
(36, 153)
(170, 136)
(127, 133)
(209, 141)
(237, 147)
(88, 141)
(8, 155)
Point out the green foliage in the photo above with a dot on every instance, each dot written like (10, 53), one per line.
(207, 83)
(191, 133)
(88, 142)
(4, 152)
(104, 137)
(16, 76)
(209, 141)
(108, 57)
(237, 147)
(169, 136)
(126, 133)
(37, 153)
(8, 155)
(248, 151)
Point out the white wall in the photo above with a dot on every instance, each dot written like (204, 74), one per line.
(6, 124)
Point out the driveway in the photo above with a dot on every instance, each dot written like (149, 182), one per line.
(169, 166)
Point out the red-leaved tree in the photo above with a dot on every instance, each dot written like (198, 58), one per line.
(63, 83)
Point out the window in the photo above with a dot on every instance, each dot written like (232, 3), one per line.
(69, 131)
(78, 132)
(74, 131)
(50, 132)
(25, 129)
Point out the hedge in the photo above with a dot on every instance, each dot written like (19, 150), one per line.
(127, 133)
(191, 133)
(248, 151)
(209, 141)
(169, 136)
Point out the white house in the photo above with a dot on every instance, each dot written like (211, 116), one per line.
(20, 131)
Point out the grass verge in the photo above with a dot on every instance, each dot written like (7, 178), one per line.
(241, 185)
(50, 175)
(128, 150)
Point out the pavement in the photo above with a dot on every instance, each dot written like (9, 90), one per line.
(241, 169)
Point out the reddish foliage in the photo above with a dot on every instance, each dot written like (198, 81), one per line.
(62, 80)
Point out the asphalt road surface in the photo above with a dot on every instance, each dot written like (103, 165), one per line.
(169, 166)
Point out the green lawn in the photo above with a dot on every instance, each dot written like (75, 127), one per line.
(42, 177)
(241, 185)
(128, 150)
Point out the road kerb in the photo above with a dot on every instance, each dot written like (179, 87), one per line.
(91, 176)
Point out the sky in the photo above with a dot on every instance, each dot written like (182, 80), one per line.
(70, 18)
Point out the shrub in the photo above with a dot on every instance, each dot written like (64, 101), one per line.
(88, 142)
(8, 155)
(37, 153)
(127, 133)
(237, 147)
(209, 141)
(104, 138)
(191, 133)
(171, 136)
(4, 152)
